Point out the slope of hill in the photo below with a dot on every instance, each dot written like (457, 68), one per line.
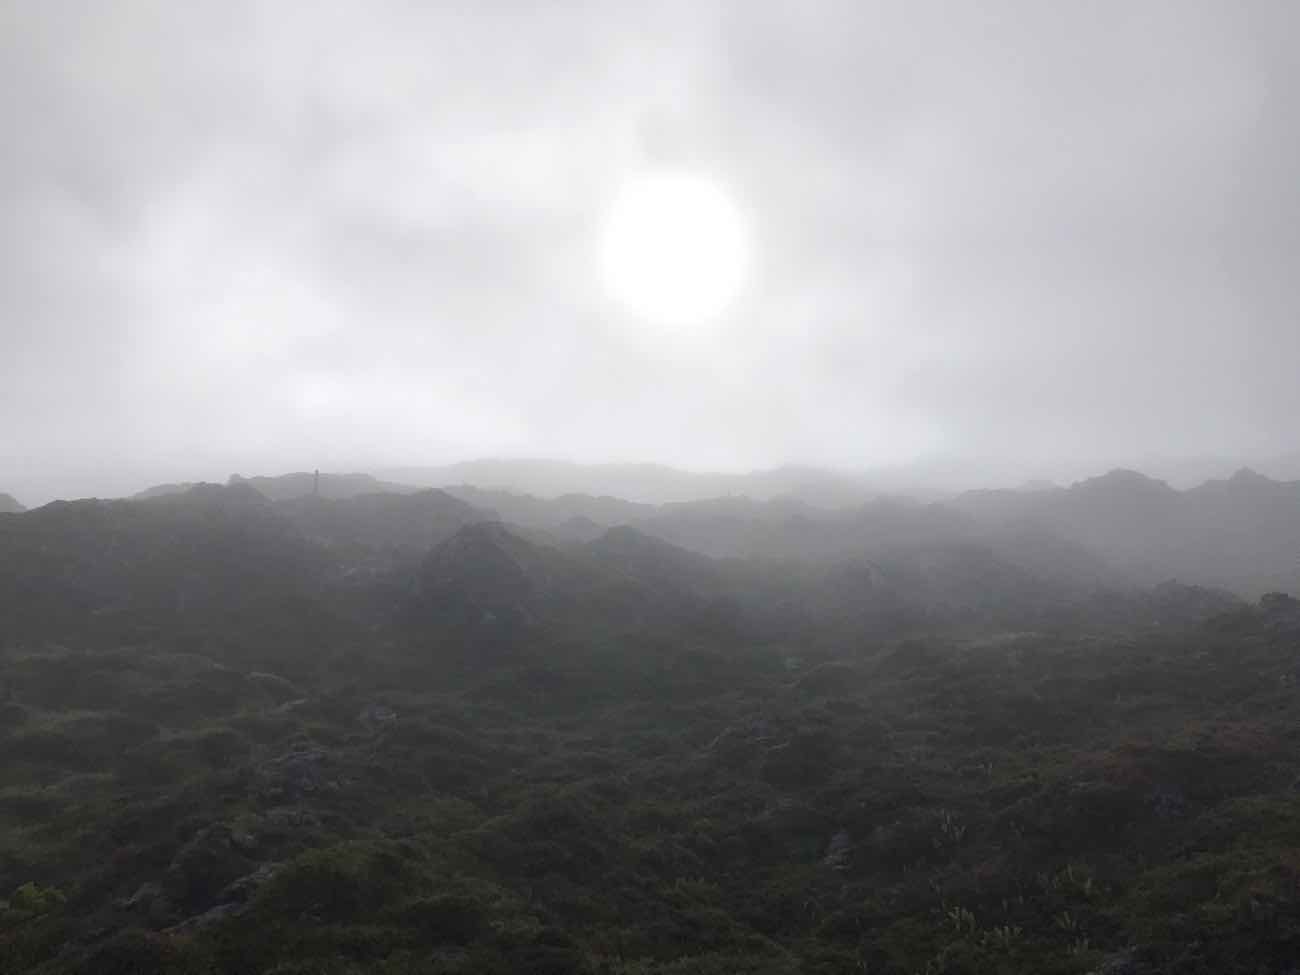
(409, 523)
(567, 515)
(488, 591)
(215, 563)
(787, 528)
(9, 505)
(163, 490)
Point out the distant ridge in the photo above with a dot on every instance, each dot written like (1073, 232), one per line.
(9, 505)
(643, 483)
(163, 490)
(1241, 533)
(300, 484)
(333, 486)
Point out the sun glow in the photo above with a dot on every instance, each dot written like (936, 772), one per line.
(674, 249)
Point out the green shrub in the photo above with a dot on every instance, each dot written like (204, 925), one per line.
(34, 899)
(346, 881)
(445, 919)
(132, 952)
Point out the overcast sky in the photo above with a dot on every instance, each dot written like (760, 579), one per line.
(260, 237)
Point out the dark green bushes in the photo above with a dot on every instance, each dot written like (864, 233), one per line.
(349, 880)
(1007, 806)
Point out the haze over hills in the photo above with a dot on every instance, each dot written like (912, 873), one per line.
(643, 483)
(822, 487)
(296, 485)
(1241, 533)
(9, 504)
(1012, 554)
(172, 564)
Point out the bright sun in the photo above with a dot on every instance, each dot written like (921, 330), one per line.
(674, 249)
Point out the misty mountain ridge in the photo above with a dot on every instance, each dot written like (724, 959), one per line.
(175, 563)
(654, 484)
(1241, 533)
(9, 505)
(1238, 533)
(299, 484)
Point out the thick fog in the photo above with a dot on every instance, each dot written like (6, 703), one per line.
(1006, 239)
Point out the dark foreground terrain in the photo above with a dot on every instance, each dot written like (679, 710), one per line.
(388, 734)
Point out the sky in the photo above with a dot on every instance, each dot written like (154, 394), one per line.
(1022, 238)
